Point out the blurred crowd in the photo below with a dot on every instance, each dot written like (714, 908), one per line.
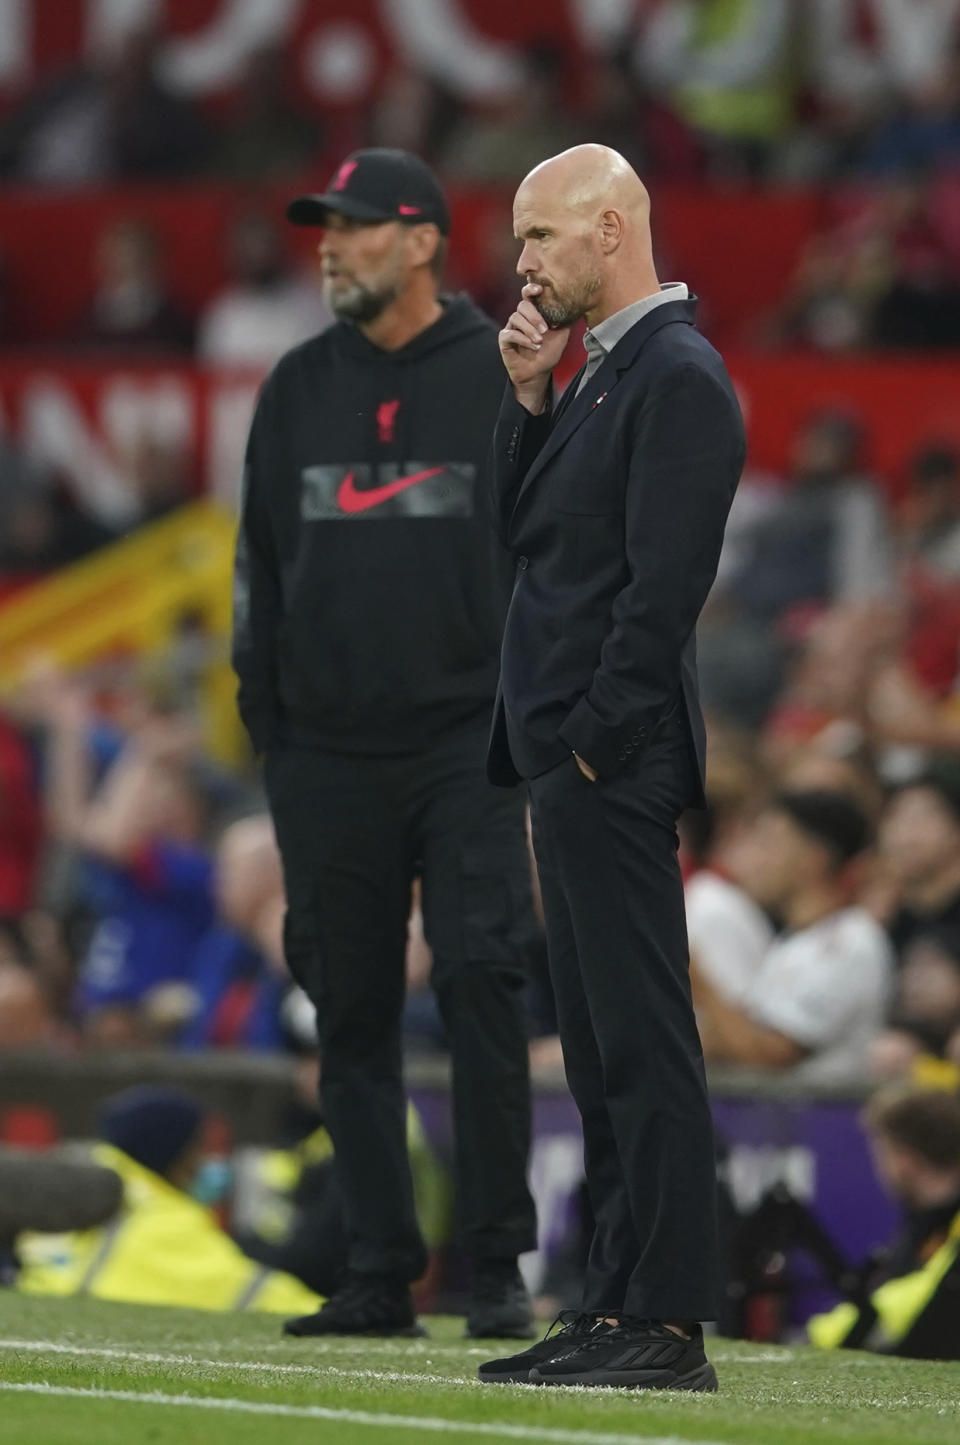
(140, 891)
(722, 90)
(859, 96)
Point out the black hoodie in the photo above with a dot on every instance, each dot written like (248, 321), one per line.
(370, 589)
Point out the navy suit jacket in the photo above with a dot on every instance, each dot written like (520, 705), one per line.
(614, 507)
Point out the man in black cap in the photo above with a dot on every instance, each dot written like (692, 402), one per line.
(369, 605)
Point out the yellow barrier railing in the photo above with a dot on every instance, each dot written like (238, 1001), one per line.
(135, 596)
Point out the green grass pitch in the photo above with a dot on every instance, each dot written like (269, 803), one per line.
(82, 1372)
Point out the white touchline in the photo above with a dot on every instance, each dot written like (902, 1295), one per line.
(429, 1423)
(104, 1352)
(782, 1355)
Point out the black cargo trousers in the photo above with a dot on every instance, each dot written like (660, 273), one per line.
(353, 832)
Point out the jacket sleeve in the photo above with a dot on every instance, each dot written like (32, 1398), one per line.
(687, 452)
(517, 438)
(257, 596)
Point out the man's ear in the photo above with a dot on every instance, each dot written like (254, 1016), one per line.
(611, 230)
(423, 243)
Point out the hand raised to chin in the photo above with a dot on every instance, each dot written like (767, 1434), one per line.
(530, 350)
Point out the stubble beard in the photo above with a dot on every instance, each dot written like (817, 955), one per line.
(568, 306)
(358, 303)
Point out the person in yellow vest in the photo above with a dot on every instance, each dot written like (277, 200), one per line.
(728, 68)
(163, 1246)
(295, 1218)
(908, 1301)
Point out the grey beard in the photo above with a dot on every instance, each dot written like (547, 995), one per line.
(557, 317)
(357, 303)
(565, 311)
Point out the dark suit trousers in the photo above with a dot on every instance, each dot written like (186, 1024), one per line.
(352, 832)
(616, 933)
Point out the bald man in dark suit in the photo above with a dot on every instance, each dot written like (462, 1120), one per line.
(614, 504)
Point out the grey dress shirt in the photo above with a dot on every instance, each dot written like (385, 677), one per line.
(605, 335)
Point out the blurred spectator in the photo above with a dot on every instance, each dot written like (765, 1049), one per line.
(267, 135)
(112, 118)
(525, 126)
(925, 1013)
(297, 1223)
(21, 825)
(729, 933)
(821, 538)
(794, 547)
(729, 72)
(423, 1028)
(25, 1016)
(165, 1247)
(854, 687)
(885, 277)
(238, 974)
(862, 51)
(46, 947)
(267, 309)
(620, 110)
(820, 994)
(924, 130)
(157, 474)
(141, 831)
(131, 309)
(42, 525)
(918, 306)
(919, 855)
(930, 516)
(906, 1300)
(411, 112)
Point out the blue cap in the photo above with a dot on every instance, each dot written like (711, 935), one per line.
(153, 1125)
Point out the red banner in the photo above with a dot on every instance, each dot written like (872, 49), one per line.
(87, 421)
(341, 49)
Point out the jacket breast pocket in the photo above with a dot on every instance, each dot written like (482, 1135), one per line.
(595, 540)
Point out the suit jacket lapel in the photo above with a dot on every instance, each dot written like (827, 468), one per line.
(572, 415)
(568, 396)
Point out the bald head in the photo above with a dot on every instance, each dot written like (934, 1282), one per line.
(584, 219)
(588, 179)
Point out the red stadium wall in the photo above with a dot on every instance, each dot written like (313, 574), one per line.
(902, 403)
(48, 241)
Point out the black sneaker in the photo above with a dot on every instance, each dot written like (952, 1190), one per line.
(365, 1304)
(636, 1354)
(518, 1369)
(499, 1307)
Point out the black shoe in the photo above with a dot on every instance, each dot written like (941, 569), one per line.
(516, 1369)
(499, 1307)
(636, 1354)
(365, 1304)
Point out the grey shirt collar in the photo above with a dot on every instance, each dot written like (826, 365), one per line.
(601, 340)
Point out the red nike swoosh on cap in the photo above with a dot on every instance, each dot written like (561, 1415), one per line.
(350, 500)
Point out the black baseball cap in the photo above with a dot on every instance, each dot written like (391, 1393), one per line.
(377, 185)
